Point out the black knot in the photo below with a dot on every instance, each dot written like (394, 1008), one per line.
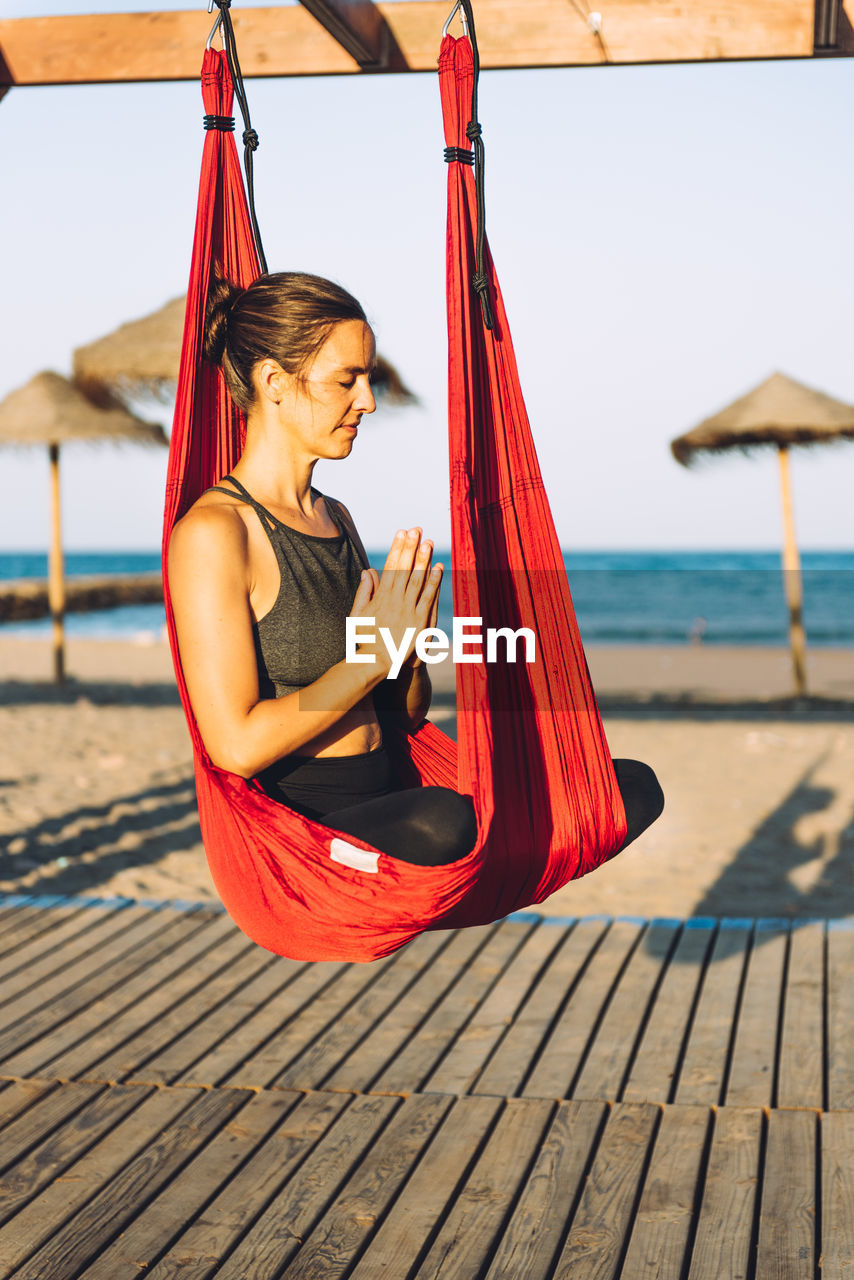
(473, 130)
(479, 282)
(250, 139)
(223, 4)
(459, 154)
(225, 124)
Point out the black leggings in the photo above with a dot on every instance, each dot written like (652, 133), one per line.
(428, 826)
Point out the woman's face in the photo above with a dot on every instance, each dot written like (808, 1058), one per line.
(323, 409)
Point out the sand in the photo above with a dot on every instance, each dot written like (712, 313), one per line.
(97, 798)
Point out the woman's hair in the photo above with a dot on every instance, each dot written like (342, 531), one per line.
(286, 316)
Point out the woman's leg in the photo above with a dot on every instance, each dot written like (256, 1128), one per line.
(642, 797)
(428, 826)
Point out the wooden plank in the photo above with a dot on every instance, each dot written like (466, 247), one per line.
(610, 1053)
(723, 1240)
(505, 1072)
(76, 955)
(753, 1069)
(70, 1049)
(41, 1217)
(480, 1211)
(567, 1043)
(203, 1245)
(840, 1015)
(62, 996)
(21, 926)
(287, 40)
(462, 1065)
(296, 1209)
(701, 1077)
(802, 1050)
(535, 1231)
(119, 47)
(271, 1004)
(837, 1195)
(659, 1240)
(360, 1069)
(60, 929)
(787, 1219)
(17, 1095)
(310, 1021)
(411, 1067)
(221, 975)
(544, 33)
(422, 1203)
(343, 1037)
(163, 1218)
(46, 1114)
(337, 1239)
(96, 1224)
(603, 1220)
(220, 1036)
(652, 1077)
(50, 1158)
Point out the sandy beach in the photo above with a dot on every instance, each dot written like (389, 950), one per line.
(97, 797)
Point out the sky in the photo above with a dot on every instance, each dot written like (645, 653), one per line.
(666, 238)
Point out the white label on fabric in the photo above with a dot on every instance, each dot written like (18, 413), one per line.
(350, 856)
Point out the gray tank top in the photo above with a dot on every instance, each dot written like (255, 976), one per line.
(303, 634)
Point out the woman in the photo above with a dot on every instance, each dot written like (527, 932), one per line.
(264, 570)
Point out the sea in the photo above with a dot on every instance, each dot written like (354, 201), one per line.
(620, 597)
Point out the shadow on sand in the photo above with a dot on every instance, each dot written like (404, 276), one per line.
(91, 839)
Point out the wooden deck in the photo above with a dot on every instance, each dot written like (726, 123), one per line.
(597, 1099)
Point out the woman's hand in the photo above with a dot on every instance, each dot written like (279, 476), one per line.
(404, 600)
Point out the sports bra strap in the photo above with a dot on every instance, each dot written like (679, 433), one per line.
(270, 522)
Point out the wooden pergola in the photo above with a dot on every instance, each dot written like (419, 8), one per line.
(339, 37)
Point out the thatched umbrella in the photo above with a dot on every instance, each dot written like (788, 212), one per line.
(50, 410)
(780, 412)
(142, 356)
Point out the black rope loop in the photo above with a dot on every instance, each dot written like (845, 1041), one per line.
(460, 155)
(480, 281)
(224, 124)
(250, 137)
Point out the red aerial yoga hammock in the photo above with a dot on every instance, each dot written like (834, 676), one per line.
(531, 748)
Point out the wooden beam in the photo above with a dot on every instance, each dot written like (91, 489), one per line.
(834, 33)
(360, 28)
(289, 41)
(122, 47)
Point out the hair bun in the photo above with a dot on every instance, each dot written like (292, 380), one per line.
(222, 296)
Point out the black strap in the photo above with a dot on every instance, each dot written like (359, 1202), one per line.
(262, 512)
(266, 517)
(480, 281)
(459, 155)
(250, 137)
(224, 124)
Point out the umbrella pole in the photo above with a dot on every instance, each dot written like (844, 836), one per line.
(792, 578)
(56, 583)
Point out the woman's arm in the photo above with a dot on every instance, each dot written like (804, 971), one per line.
(209, 589)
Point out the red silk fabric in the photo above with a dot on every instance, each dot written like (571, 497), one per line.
(531, 749)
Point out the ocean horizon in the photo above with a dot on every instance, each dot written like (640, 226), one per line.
(620, 596)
